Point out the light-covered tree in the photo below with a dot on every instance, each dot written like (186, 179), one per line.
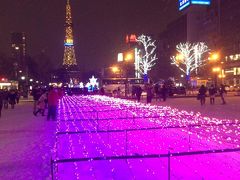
(190, 57)
(147, 54)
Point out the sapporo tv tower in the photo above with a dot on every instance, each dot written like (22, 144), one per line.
(69, 59)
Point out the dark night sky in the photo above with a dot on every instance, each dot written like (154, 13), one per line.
(100, 26)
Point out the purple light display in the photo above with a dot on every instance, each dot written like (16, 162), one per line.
(94, 127)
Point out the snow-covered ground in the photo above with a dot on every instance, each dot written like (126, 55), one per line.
(25, 144)
(231, 110)
(78, 114)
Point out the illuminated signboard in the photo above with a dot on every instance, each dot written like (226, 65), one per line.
(185, 3)
(202, 2)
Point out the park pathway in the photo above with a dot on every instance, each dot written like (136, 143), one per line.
(25, 144)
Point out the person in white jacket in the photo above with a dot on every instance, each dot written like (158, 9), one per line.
(41, 104)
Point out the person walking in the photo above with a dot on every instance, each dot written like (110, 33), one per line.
(202, 94)
(52, 103)
(212, 93)
(222, 92)
(41, 104)
(36, 93)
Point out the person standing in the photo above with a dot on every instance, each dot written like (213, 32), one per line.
(138, 93)
(17, 96)
(1, 102)
(212, 93)
(202, 94)
(52, 103)
(149, 90)
(222, 92)
(12, 98)
(156, 90)
(164, 92)
(5, 98)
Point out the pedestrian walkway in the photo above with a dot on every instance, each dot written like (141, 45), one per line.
(25, 144)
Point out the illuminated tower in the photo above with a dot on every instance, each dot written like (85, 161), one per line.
(69, 59)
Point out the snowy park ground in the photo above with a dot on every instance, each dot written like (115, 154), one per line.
(26, 143)
(231, 110)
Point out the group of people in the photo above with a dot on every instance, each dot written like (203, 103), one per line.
(160, 92)
(8, 97)
(212, 91)
(46, 99)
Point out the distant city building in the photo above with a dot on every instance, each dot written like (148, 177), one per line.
(18, 48)
(216, 24)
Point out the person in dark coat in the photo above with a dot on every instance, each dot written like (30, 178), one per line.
(17, 96)
(156, 90)
(12, 98)
(164, 92)
(202, 94)
(149, 90)
(138, 93)
(1, 101)
(212, 93)
(222, 92)
(5, 98)
(36, 93)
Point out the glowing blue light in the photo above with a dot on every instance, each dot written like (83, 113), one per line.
(202, 2)
(68, 44)
(185, 3)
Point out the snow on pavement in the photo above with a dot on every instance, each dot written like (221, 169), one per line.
(26, 142)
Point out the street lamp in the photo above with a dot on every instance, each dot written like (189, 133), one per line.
(23, 77)
(179, 57)
(115, 69)
(214, 57)
(128, 57)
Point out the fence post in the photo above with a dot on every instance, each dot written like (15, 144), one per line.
(169, 165)
(52, 168)
(189, 138)
(126, 145)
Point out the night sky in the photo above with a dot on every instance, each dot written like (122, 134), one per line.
(100, 26)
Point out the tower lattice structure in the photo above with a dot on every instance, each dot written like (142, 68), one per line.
(69, 58)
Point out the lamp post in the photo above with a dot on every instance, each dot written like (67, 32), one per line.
(127, 59)
(214, 58)
(216, 71)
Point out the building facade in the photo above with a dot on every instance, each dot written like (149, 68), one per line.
(18, 50)
(217, 25)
